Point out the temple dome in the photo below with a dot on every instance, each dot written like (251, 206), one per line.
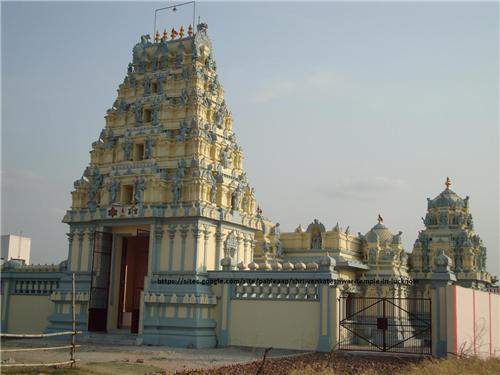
(379, 231)
(447, 198)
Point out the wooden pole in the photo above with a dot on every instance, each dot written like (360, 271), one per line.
(34, 349)
(35, 335)
(36, 364)
(73, 312)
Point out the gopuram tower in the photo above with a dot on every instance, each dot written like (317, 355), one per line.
(164, 198)
(449, 244)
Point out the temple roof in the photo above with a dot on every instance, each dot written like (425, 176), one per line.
(447, 198)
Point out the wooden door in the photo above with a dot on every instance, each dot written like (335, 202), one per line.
(134, 269)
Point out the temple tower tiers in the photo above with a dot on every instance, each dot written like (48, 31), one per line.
(166, 165)
(449, 232)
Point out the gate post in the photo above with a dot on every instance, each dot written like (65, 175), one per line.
(328, 310)
(325, 311)
(442, 276)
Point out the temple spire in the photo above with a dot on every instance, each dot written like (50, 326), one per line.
(448, 183)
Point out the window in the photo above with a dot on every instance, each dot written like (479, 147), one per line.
(154, 88)
(138, 151)
(146, 115)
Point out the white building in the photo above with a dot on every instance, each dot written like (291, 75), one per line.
(16, 247)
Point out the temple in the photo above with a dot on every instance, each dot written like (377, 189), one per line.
(168, 244)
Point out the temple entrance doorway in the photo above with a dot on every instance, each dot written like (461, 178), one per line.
(133, 269)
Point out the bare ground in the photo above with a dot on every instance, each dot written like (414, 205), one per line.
(105, 359)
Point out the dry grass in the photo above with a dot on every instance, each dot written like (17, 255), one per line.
(462, 366)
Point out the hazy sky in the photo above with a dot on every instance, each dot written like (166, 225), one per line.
(344, 110)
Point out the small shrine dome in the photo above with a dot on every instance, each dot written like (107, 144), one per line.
(379, 232)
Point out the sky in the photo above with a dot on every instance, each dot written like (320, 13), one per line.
(343, 110)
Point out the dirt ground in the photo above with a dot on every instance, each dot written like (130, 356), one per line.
(104, 359)
(149, 360)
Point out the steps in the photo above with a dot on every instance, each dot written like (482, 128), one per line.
(113, 338)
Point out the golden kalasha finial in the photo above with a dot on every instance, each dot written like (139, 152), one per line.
(448, 183)
(173, 33)
(190, 30)
(157, 36)
(380, 219)
(165, 35)
(181, 31)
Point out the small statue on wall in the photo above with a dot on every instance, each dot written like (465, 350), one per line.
(113, 188)
(427, 220)
(93, 195)
(176, 188)
(246, 202)
(276, 231)
(425, 259)
(109, 140)
(159, 83)
(482, 258)
(443, 218)
(470, 222)
(145, 40)
(226, 157)
(231, 246)
(138, 115)
(179, 57)
(183, 131)
(138, 190)
(235, 199)
(127, 151)
(147, 86)
(220, 115)
(154, 114)
(184, 98)
(316, 241)
(279, 249)
(213, 186)
(148, 151)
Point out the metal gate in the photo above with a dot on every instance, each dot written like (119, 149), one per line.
(99, 288)
(385, 324)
